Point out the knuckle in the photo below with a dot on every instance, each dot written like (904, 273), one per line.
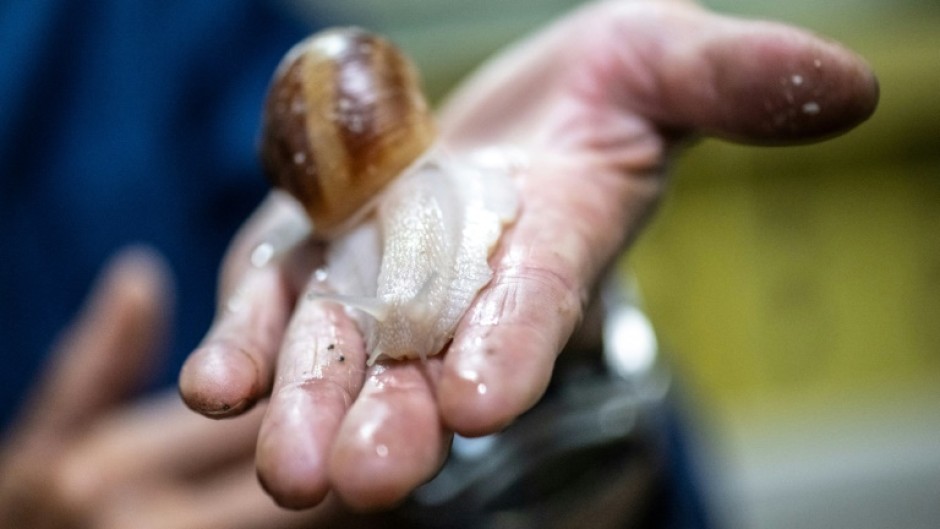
(558, 284)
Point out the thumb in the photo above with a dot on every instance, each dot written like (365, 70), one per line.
(749, 81)
(675, 66)
(108, 349)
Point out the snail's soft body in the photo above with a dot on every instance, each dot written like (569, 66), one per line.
(429, 240)
(347, 133)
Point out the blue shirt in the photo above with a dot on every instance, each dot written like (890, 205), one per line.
(123, 122)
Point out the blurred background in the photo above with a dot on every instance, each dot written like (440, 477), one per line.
(796, 291)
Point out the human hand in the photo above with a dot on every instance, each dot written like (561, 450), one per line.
(80, 456)
(599, 104)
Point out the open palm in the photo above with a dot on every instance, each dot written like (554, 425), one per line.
(598, 103)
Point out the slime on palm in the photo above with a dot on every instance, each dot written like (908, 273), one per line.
(347, 132)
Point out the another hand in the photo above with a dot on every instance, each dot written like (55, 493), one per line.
(81, 457)
(599, 102)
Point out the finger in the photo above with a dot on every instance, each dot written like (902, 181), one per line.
(233, 366)
(229, 500)
(159, 440)
(392, 439)
(504, 349)
(671, 63)
(320, 372)
(108, 350)
(750, 81)
(96, 362)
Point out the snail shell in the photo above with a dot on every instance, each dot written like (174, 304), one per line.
(345, 126)
(344, 116)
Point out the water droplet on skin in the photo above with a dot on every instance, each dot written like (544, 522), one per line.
(381, 451)
(482, 389)
(812, 108)
(278, 242)
(797, 80)
(321, 275)
(236, 302)
(469, 374)
(262, 254)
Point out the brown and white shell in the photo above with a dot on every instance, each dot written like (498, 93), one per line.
(344, 115)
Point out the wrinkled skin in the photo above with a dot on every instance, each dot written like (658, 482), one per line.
(600, 103)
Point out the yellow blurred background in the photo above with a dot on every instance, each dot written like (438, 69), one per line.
(796, 291)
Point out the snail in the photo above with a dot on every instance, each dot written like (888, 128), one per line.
(348, 133)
